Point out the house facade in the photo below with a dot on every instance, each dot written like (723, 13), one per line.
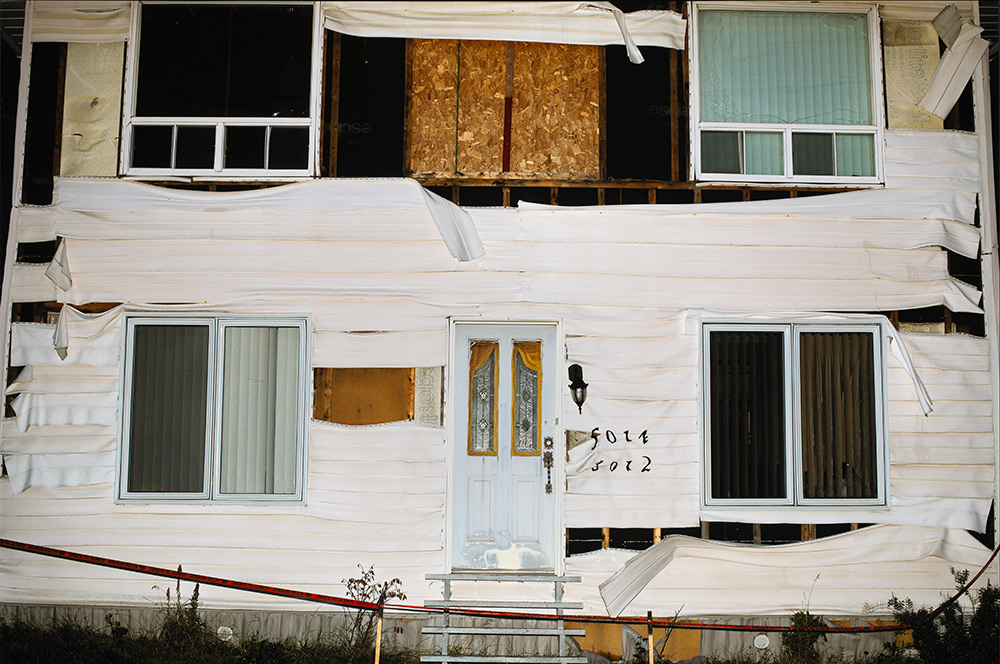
(310, 292)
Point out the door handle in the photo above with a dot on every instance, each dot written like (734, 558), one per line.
(547, 460)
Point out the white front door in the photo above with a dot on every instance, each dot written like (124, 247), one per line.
(503, 497)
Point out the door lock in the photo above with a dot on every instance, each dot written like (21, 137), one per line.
(547, 459)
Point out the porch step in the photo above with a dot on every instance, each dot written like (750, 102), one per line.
(488, 635)
(501, 604)
(526, 659)
(513, 631)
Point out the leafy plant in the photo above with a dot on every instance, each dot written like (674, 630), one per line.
(799, 647)
(949, 637)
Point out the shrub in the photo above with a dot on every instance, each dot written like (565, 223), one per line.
(949, 637)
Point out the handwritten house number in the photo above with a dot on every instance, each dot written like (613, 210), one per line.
(644, 461)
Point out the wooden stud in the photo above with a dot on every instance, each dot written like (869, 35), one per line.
(675, 149)
(506, 197)
(60, 103)
(657, 535)
(808, 531)
(331, 47)
(948, 323)
(854, 526)
(651, 196)
(601, 195)
(554, 196)
(407, 107)
(757, 538)
(705, 534)
(605, 538)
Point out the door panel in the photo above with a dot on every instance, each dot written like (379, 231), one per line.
(503, 506)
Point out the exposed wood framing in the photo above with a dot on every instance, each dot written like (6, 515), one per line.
(808, 531)
(331, 111)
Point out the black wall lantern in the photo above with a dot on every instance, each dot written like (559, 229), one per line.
(578, 388)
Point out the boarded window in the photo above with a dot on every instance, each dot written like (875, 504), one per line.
(482, 108)
(363, 396)
(794, 415)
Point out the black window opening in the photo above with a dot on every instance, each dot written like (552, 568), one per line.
(793, 425)
(223, 88)
(369, 132)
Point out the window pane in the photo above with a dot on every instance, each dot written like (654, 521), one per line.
(289, 148)
(224, 61)
(838, 415)
(245, 147)
(484, 378)
(260, 404)
(747, 414)
(812, 154)
(765, 153)
(195, 147)
(856, 155)
(720, 152)
(784, 67)
(168, 406)
(527, 395)
(152, 146)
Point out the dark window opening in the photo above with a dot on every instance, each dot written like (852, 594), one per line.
(640, 114)
(371, 95)
(43, 130)
(224, 61)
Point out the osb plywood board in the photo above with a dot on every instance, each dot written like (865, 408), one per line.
(362, 396)
(481, 86)
(434, 95)
(556, 115)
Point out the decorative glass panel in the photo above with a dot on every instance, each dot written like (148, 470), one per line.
(527, 392)
(483, 381)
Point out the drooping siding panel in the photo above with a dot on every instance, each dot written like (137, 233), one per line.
(629, 285)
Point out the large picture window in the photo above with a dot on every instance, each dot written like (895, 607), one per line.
(794, 414)
(214, 408)
(222, 90)
(785, 95)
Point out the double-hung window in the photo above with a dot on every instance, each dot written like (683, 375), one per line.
(214, 408)
(785, 95)
(222, 89)
(794, 414)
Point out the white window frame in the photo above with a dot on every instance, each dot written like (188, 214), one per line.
(795, 493)
(218, 170)
(216, 325)
(876, 130)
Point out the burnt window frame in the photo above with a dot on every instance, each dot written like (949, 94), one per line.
(311, 122)
(791, 330)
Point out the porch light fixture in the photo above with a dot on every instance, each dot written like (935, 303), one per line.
(578, 388)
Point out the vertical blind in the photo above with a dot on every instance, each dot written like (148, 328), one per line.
(259, 423)
(784, 67)
(169, 405)
(838, 415)
(747, 406)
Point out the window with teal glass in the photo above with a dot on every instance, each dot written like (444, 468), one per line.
(785, 95)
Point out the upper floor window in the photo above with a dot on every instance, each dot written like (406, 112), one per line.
(214, 408)
(785, 96)
(222, 90)
(794, 414)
